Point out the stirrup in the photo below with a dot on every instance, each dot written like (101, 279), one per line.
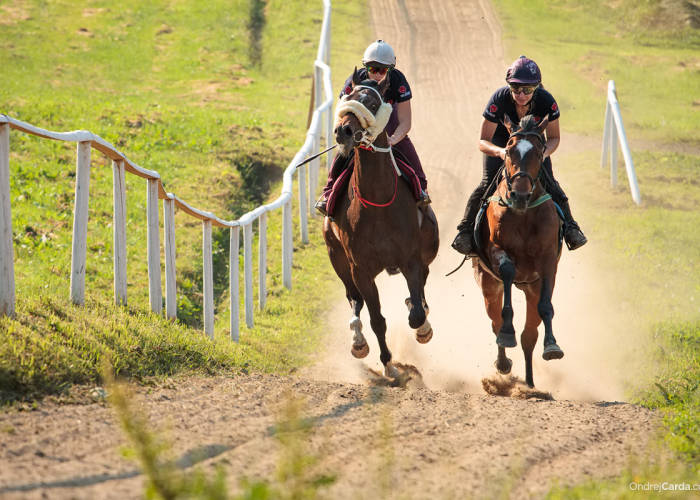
(321, 206)
(574, 237)
(424, 199)
(463, 244)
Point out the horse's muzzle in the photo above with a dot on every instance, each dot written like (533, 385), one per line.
(519, 201)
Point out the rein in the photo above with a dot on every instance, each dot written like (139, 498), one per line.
(366, 142)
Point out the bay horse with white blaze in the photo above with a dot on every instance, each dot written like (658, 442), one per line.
(519, 242)
(377, 225)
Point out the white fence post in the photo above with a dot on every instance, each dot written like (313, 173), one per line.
(611, 134)
(233, 282)
(248, 272)
(7, 255)
(303, 219)
(153, 244)
(80, 220)
(119, 231)
(262, 260)
(208, 279)
(170, 256)
(287, 245)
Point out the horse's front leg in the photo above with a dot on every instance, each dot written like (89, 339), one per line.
(492, 291)
(546, 312)
(365, 284)
(415, 273)
(506, 268)
(340, 263)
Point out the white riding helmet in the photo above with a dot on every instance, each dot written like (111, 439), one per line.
(379, 52)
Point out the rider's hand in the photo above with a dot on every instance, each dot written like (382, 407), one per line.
(502, 153)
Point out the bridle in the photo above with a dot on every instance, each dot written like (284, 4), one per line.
(365, 140)
(520, 173)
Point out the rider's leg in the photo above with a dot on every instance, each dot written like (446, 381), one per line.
(573, 235)
(339, 164)
(464, 243)
(407, 152)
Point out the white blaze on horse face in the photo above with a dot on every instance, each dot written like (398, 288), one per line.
(523, 147)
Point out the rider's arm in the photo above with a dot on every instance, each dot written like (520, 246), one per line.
(552, 132)
(488, 128)
(403, 112)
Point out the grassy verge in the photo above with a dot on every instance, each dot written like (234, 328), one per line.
(179, 90)
(650, 253)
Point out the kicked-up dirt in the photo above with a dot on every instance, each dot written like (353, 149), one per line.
(452, 429)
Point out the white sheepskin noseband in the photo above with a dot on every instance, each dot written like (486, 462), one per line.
(373, 124)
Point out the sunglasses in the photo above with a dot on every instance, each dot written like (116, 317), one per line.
(523, 90)
(376, 69)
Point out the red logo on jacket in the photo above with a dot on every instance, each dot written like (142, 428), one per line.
(554, 107)
(348, 89)
(493, 108)
(402, 89)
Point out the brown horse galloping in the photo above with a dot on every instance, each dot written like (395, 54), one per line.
(521, 246)
(377, 225)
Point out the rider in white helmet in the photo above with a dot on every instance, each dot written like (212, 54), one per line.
(379, 62)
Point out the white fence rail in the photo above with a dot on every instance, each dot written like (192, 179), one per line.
(614, 130)
(322, 119)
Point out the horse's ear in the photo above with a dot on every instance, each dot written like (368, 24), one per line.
(508, 124)
(543, 125)
(355, 77)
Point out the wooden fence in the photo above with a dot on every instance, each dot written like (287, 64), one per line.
(87, 141)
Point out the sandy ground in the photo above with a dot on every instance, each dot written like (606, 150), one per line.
(442, 436)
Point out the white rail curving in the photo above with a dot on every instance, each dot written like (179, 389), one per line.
(614, 130)
(86, 141)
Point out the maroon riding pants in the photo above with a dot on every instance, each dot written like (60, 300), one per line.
(404, 148)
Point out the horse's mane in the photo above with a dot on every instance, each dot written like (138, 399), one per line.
(370, 83)
(528, 123)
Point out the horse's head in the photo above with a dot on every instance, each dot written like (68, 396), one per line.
(524, 155)
(361, 115)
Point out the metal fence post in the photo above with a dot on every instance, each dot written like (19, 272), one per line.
(248, 272)
(119, 231)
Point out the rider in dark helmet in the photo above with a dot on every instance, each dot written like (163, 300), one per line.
(524, 95)
(379, 62)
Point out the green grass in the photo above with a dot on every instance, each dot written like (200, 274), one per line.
(649, 254)
(174, 87)
(580, 45)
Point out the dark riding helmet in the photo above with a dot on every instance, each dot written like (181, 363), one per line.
(524, 70)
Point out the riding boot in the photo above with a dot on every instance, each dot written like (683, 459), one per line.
(464, 241)
(573, 235)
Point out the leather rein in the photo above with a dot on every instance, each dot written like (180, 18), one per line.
(366, 143)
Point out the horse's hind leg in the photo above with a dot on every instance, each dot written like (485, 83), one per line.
(528, 339)
(506, 335)
(546, 312)
(415, 273)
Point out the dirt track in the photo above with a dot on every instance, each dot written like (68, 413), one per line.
(449, 440)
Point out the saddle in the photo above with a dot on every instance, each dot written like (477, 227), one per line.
(341, 184)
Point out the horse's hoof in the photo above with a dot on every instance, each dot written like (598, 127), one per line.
(360, 351)
(552, 351)
(390, 370)
(506, 340)
(424, 338)
(504, 370)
